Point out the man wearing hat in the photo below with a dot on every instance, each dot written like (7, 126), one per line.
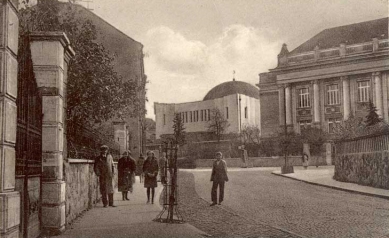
(105, 170)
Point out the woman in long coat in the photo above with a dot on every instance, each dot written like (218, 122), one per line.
(126, 174)
(150, 170)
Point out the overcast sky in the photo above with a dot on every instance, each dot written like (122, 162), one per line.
(193, 45)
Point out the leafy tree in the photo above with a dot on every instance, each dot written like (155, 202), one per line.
(251, 134)
(289, 143)
(95, 92)
(218, 124)
(315, 137)
(350, 128)
(372, 117)
(179, 130)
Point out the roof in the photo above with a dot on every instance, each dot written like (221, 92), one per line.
(232, 87)
(348, 34)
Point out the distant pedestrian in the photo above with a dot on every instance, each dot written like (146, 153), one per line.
(139, 167)
(305, 160)
(126, 174)
(162, 167)
(150, 170)
(218, 177)
(105, 170)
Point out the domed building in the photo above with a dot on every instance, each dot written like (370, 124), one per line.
(238, 101)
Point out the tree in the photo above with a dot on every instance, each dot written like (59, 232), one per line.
(372, 117)
(350, 128)
(218, 124)
(179, 130)
(315, 137)
(95, 92)
(251, 134)
(289, 143)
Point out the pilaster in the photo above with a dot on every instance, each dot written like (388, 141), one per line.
(51, 52)
(288, 104)
(9, 198)
(281, 100)
(346, 97)
(378, 93)
(316, 102)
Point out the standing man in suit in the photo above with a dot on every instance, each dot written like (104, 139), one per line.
(218, 177)
(105, 170)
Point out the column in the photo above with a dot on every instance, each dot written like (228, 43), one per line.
(50, 55)
(378, 93)
(9, 198)
(288, 104)
(316, 103)
(346, 97)
(281, 108)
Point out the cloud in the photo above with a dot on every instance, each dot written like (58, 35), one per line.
(183, 70)
(173, 52)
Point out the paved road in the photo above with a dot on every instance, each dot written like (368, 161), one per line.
(304, 209)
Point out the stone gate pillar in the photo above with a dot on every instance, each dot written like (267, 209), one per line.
(120, 135)
(9, 198)
(50, 55)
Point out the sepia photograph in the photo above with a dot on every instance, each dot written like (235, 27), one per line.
(194, 118)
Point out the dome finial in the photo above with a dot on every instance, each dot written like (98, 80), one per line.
(233, 75)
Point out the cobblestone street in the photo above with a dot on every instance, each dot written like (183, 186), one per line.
(303, 209)
(219, 221)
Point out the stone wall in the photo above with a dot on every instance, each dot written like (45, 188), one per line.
(275, 161)
(370, 169)
(82, 189)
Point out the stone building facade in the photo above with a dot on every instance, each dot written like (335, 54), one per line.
(328, 78)
(237, 101)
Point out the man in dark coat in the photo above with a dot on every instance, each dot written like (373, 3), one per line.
(150, 170)
(126, 174)
(218, 177)
(105, 170)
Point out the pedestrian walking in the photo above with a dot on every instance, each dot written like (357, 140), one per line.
(105, 170)
(139, 167)
(150, 170)
(126, 174)
(305, 160)
(218, 177)
(162, 168)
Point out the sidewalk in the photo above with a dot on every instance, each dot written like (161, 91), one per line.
(132, 218)
(323, 176)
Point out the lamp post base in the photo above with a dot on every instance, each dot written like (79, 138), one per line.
(287, 169)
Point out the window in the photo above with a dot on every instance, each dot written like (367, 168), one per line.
(333, 94)
(190, 116)
(164, 119)
(363, 91)
(227, 112)
(245, 112)
(202, 115)
(209, 114)
(186, 116)
(305, 124)
(197, 115)
(332, 122)
(304, 98)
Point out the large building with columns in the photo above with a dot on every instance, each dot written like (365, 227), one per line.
(326, 79)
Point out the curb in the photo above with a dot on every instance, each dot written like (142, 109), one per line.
(334, 187)
(189, 226)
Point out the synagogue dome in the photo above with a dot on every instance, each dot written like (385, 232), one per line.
(232, 87)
